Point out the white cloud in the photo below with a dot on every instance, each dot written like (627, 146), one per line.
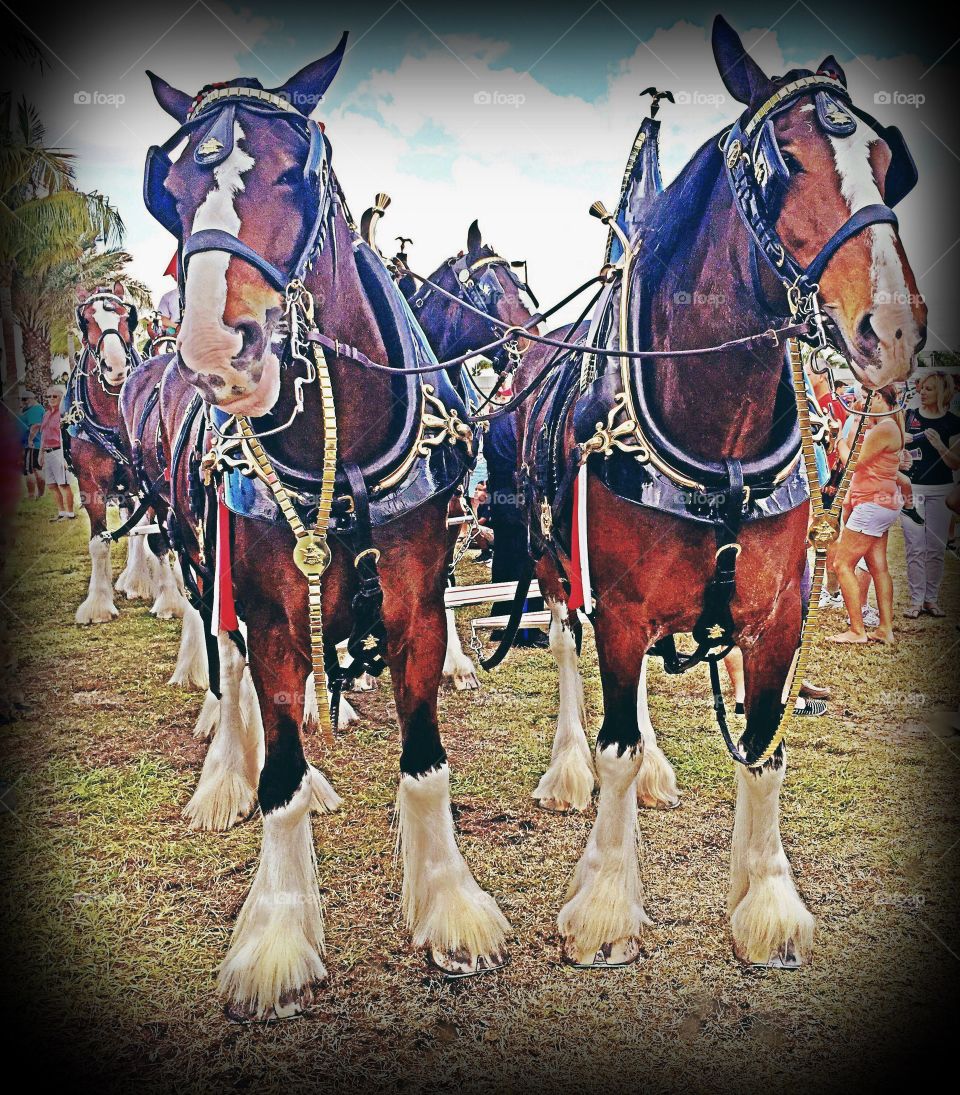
(452, 135)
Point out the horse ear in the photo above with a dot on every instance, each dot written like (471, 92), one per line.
(308, 86)
(474, 238)
(741, 75)
(118, 289)
(175, 103)
(831, 67)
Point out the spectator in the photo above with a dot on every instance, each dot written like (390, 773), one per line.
(933, 442)
(31, 414)
(54, 466)
(871, 507)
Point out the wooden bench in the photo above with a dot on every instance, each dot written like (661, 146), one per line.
(462, 596)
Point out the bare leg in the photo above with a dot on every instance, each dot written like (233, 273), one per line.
(883, 583)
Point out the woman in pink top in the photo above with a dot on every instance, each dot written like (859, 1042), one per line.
(871, 507)
(51, 460)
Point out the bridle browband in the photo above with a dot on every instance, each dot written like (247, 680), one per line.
(748, 150)
(217, 109)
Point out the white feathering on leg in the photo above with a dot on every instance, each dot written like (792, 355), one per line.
(767, 916)
(443, 905)
(568, 782)
(605, 898)
(274, 962)
(98, 607)
(191, 668)
(657, 781)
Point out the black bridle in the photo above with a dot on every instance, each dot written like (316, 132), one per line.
(757, 174)
(477, 284)
(216, 110)
(94, 351)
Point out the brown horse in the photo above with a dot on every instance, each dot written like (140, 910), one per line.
(98, 456)
(484, 287)
(708, 270)
(270, 217)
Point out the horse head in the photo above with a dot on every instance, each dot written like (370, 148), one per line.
(482, 279)
(102, 313)
(824, 176)
(250, 199)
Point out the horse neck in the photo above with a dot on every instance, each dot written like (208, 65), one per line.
(104, 405)
(342, 311)
(450, 329)
(720, 404)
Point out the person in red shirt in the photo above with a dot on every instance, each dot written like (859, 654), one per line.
(51, 460)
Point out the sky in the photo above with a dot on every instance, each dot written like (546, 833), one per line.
(519, 115)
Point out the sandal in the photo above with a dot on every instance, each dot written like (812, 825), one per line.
(912, 612)
(811, 709)
(933, 609)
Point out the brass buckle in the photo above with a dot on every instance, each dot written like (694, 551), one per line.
(367, 551)
(726, 547)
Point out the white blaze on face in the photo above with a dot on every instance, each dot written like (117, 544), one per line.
(206, 344)
(891, 311)
(113, 354)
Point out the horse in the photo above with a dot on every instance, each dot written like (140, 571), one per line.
(95, 450)
(669, 496)
(471, 277)
(327, 445)
(454, 307)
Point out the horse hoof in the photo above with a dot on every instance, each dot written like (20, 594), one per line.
(85, 616)
(623, 952)
(463, 964)
(291, 1005)
(786, 958)
(650, 803)
(555, 805)
(465, 683)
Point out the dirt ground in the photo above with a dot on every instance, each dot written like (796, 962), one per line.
(116, 916)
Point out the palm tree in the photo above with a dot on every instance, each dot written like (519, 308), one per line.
(44, 304)
(44, 220)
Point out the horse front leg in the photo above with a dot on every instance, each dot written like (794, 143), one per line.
(568, 783)
(457, 666)
(98, 607)
(657, 781)
(227, 790)
(445, 909)
(603, 919)
(170, 603)
(136, 580)
(274, 966)
(770, 923)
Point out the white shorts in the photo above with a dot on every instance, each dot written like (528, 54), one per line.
(872, 519)
(55, 468)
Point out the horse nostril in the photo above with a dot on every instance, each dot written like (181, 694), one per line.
(251, 334)
(866, 335)
(214, 381)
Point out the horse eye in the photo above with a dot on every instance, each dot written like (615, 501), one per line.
(290, 177)
(793, 164)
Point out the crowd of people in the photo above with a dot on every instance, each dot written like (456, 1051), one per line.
(909, 453)
(41, 442)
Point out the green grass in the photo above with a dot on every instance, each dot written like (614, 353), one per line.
(117, 916)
